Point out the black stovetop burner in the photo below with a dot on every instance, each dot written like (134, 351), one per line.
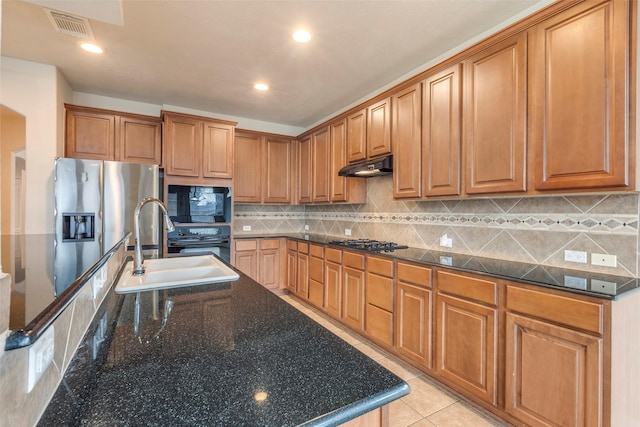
(369, 245)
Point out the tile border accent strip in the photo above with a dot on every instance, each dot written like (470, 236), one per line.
(592, 223)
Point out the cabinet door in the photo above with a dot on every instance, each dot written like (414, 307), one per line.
(247, 262)
(305, 171)
(247, 185)
(441, 123)
(321, 153)
(466, 336)
(302, 283)
(406, 108)
(338, 138)
(413, 323)
(333, 288)
(139, 140)
(579, 111)
(494, 111)
(553, 374)
(217, 150)
(269, 268)
(379, 128)
(90, 135)
(277, 171)
(183, 146)
(292, 270)
(353, 298)
(357, 136)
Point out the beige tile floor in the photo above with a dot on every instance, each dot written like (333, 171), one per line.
(427, 404)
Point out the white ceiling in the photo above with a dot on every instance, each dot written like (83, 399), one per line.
(206, 55)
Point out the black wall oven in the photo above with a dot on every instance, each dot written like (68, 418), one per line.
(202, 216)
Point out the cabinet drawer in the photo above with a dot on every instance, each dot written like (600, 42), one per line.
(316, 251)
(246, 245)
(333, 255)
(381, 266)
(409, 273)
(316, 292)
(292, 244)
(556, 308)
(303, 247)
(468, 287)
(269, 244)
(353, 260)
(316, 269)
(379, 291)
(379, 324)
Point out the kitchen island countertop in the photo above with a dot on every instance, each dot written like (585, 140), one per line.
(230, 354)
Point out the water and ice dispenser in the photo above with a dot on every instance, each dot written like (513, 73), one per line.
(78, 226)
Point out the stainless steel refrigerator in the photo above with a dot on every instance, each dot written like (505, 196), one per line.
(94, 205)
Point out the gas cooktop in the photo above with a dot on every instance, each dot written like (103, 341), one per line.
(369, 245)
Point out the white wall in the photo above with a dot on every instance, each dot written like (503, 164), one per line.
(37, 91)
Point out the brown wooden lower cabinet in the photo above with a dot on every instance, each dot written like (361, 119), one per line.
(376, 418)
(553, 374)
(262, 260)
(316, 275)
(302, 282)
(333, 282)
(413, 323)
(292, 268)
(532, 356)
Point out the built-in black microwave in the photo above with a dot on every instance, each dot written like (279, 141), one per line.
(199, 204)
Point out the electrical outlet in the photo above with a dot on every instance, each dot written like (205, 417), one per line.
(306, 227)
(446, 260)
(40, 357)
(347, 232)
(99, 279)
(604, 260)
(99, 335)
(604, 286)
(575, 256)
(446, 241)
(246, 228)
(575, 282)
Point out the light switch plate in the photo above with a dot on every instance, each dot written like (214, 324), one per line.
(347, 232)
(575, 256)
(40, 356)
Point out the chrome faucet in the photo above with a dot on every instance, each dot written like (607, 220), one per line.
(138, 268)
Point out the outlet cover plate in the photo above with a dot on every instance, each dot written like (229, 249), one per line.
(246, 228)
(347, 232)
(604, 260)
(446, 241)
(40, 356)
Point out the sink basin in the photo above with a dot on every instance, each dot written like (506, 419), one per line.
(175, 272)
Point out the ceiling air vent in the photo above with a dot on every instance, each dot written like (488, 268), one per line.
(75, 26)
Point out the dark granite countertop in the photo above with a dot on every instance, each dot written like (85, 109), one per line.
(595, 284)
(231, 354)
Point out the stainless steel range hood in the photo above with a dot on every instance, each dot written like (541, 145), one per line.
(369, 168)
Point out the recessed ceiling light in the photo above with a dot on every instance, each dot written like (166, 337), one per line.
(302, 36)
(90, 47)
(261, 86)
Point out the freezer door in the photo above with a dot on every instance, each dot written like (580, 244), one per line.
(78, 219)
(125, 184)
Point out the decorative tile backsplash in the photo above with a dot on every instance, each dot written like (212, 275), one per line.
(528, 229)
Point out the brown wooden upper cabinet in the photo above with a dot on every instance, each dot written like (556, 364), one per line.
(578, 97)
(93, 133)
(198, 147)
(441, 132)
(406, 106)
(320, 154)
(342, 189)
(369, 132)
(263, 168)
(495, 122)
(305, 181)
